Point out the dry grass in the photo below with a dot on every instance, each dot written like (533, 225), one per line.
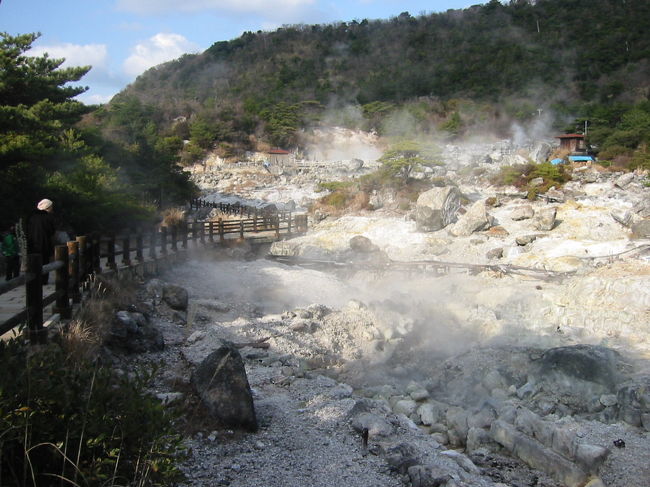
(80, 341)
(89, 329)
(173, 217)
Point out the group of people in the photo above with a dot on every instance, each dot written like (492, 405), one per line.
(40, 232)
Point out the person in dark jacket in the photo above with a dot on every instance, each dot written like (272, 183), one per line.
(40, 232)
(11, 252)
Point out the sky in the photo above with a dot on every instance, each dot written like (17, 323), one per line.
(121, 39)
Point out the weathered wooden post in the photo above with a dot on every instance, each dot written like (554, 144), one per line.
(255, 221)
(139, 253)
(174, 232)
(222, 237)
(73, 271)
(277, 227)
(202, 233)
(289, 225)
(152, 245)
(184, 235)
(62, 283)
(34, 299)
(211, 231)
(97, 253)
(81, 258)
(241, 229)
(163, 241)
(110, 259)
(126, 251)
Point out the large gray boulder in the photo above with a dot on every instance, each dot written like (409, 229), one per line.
(475, 219)
(578, 372)
(221, 383)
(131, 332)
(437, 208)
(545, 219)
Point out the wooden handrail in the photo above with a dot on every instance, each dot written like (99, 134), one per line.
(77, 260)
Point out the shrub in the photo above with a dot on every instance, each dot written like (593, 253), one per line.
(516, 175)
(520, 176)
(69, 422)
(66, 419)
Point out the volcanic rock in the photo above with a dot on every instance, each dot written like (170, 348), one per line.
(221, 383)
(545, 219)
(437, 208)
(522, 213)
(175, 296)
(475, 219)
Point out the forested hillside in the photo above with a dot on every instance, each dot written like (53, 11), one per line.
(462, 69)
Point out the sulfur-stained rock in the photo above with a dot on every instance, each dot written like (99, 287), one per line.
(591, 457)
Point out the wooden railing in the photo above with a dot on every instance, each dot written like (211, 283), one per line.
(77, 260)
(238, 209)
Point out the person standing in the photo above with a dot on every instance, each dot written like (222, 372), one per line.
(9, 245)
(40, 232)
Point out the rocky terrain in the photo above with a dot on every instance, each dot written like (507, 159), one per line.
(480, 339)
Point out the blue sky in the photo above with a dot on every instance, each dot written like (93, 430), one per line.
(123, 38)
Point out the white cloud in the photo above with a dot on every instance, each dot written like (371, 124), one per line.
(271, 8)
(156, 50)
(94, 99)
(95, 55)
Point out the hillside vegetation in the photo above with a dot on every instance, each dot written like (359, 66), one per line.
(457, 71)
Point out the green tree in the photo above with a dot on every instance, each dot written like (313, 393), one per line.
(37, 117)
(405, 155)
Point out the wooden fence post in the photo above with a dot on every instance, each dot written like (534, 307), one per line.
(62, 283)
(163, 241)
(202, 233)
(139, 253)
(110, 247)
(211, 231)
(34, 299)
(241, 229)
(126, 251)
(73, 271)
(97, 253)
(277, 227)
(184, 235)
(81, 258)
(255, 221)
(289, 225)
(152, 245)
(222, 237)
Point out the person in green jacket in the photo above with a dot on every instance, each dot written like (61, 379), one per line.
(11, 252)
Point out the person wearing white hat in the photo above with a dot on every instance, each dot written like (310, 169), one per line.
(40, 232)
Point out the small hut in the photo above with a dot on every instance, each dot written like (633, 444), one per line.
(572, 142)
(279, 156)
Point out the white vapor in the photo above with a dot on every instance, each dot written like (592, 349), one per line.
(156, 50)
